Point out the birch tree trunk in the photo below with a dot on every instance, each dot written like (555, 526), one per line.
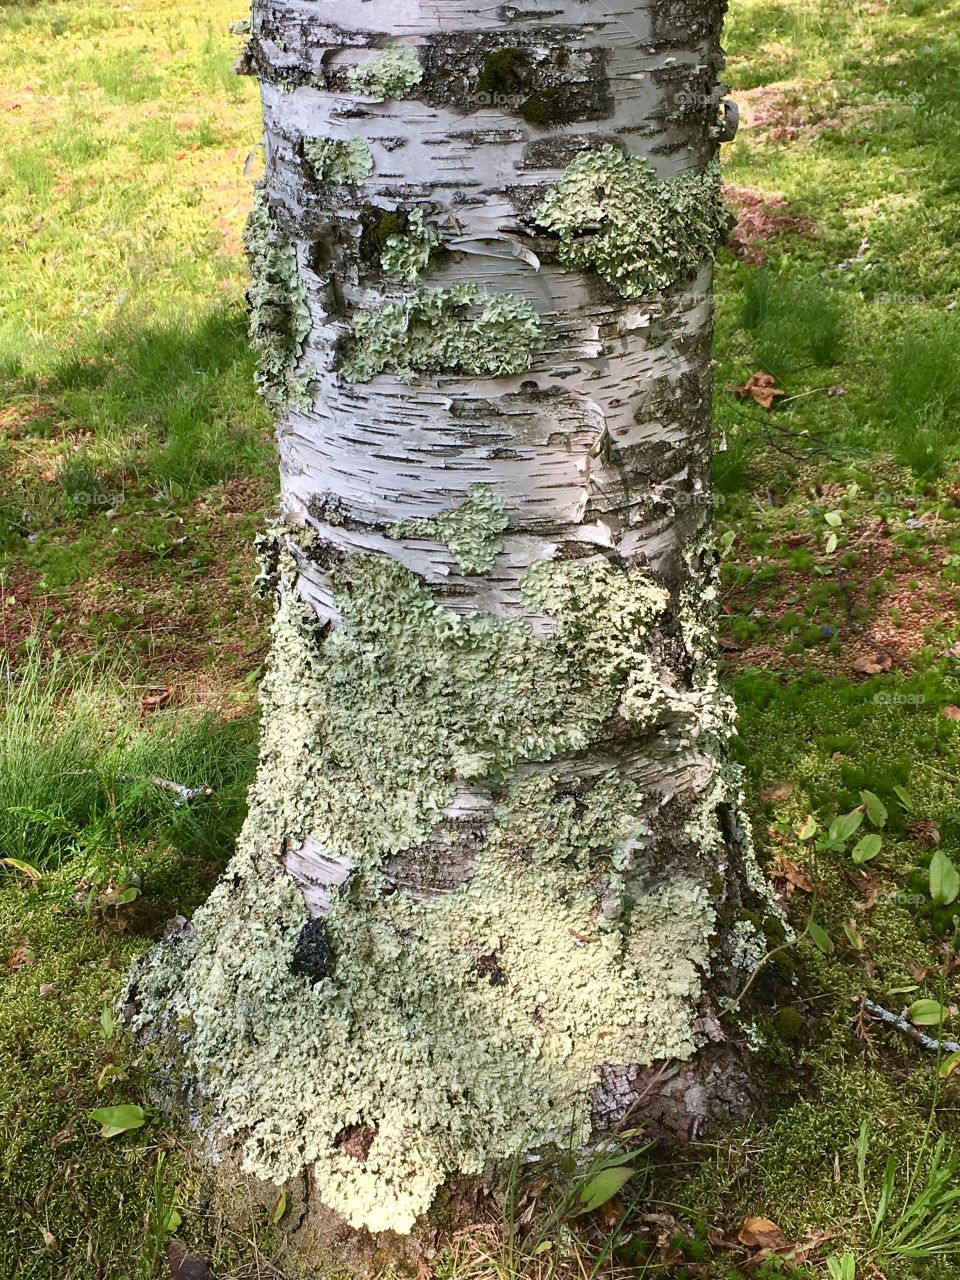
(494, 874)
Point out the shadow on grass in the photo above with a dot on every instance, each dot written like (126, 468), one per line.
(170, 403)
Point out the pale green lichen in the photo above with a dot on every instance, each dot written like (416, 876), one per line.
(450, 695)
(433, 331)
(330, 160)
(748, 945)
(407, 256)
(369, 732)
(613, 215)
(391, 73)
(279, 317)
(716, 725)
(471, 531)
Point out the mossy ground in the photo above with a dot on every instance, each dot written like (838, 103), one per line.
(136, 464)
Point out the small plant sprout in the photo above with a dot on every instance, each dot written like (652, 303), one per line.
(119, 1119)
(108, 1023)
(906, 800)
(25, 869)
(839, 831)
(819, 937)
(928, 1013)
(162, 1218)
(110, 1074)
(833, 520)
(867, 847)
(842, 1266)
(846, 825)
(944, 879)
(875, 809)
(808, 828)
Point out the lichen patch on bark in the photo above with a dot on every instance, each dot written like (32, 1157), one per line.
(385, 1014)
(279, 318)
(613, 214)
(390, 73)
(471, 531)
(463, 330)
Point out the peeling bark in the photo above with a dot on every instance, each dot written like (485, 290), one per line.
(494, 878)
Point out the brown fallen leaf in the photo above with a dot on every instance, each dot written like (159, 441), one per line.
(158, 697)
(761, 1233)
(612, 1211)
(870, 901)
(786, 873)
(807, 1245)
(720, 1240)
(760, 388)
(19, 957)
(871, 664)
(924, 832)
(952, 713)
(782, 791)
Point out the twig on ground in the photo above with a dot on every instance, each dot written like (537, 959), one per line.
(185, 795)
(902, 1023)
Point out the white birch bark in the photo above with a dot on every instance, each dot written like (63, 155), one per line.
(494, 869)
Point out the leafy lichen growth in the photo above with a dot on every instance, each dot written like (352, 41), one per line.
(279, 317)
(449, 694)
(432, 331)
(391, 73)
(716, 726)
(613, 215)
(330, 160)
(369, 734)
(407, 255)
(471, 531)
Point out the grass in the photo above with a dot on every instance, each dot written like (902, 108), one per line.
(136, 463)
(78, 770)
(103, 855)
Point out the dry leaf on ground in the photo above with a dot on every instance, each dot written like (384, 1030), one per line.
(759, 387)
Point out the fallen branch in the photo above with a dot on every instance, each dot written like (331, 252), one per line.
(185, 795)
(901, 1022)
